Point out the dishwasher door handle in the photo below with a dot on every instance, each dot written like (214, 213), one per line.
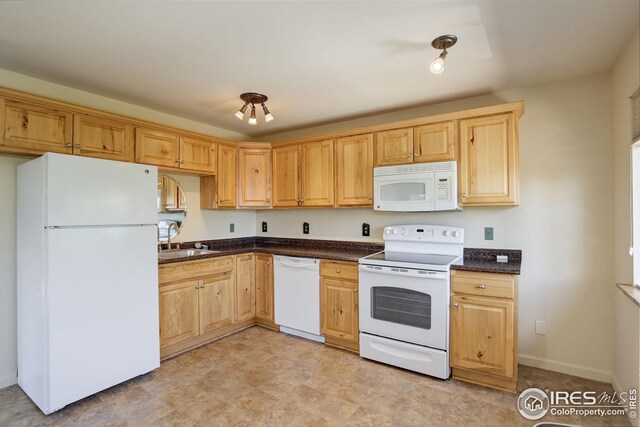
(296, 265)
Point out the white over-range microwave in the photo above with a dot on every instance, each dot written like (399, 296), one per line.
(421, 187)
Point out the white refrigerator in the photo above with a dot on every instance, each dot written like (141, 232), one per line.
(87, 276)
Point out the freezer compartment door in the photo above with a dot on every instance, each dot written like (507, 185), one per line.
(103, 326)
(82, 191)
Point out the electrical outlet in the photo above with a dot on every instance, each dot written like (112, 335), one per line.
(305, 228)
(232, 228)
(366, 229)
(541, 327)
(264, 226)
(488, 233)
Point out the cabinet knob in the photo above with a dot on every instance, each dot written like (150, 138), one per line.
(268, 200)
(409, 155)
(354, 291)
(338, 270)
(464, 195)
(415, 154)
(197, 286)
(25, 121)
(268, 262)
(177, 161)
(69, 145)
(77, 145)
(455, 304)
(181, 161)
(370, 198)
(481, 286)
(480, 353)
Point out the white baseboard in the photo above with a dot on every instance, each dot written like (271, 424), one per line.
(565, 368)
(618, 389)
(8, 380)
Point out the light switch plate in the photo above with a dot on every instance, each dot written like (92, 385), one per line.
(232, 228)
(502, 258)
(488, 233)
(541, 327)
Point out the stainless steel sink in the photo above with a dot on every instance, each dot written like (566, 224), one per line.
(184, 253)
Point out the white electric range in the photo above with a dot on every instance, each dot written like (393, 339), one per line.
(404, 298)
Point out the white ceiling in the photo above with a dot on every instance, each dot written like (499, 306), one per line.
(317, 61)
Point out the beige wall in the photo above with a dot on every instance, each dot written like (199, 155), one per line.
(199, 224)
(625, 79)
(563, 224)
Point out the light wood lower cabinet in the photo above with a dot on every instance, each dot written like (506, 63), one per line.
(484, 332)
(339, 304)
(197, 303)
(264, 290)
(245, 287)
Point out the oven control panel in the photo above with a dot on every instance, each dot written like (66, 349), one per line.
(425, 233)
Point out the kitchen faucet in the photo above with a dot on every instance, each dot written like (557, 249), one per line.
(172, 224)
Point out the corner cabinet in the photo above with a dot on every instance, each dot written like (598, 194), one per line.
(484, 329)
(354, 170)
(339, 304)
(254, 177)
(489, 161)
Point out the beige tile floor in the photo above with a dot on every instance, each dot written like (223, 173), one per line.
(262, 378)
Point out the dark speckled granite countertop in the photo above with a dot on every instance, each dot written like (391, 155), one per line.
(482, 260)
(336, 250)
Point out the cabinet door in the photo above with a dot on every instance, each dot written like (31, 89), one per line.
(216, 302)
(226, 178)
(245, 287)
(170, 197)
(489, 161)
(264, 287)
(482, 335)
(158, 148)
(30, 128)
(179, 312)
(254, 176)
(434, 142)
(317, 173)
(197, 155)
(102, 138)
(354, 155)
(394, 147)
(286, 176)
(339, 308)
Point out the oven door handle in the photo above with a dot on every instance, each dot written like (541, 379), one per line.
(392, 271)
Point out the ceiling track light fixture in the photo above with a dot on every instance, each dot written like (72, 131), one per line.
(444, 43)
(252, 98)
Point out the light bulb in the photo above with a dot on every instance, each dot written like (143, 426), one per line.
(240, 113)
(437, 66)
(267, 115)
(252, 118)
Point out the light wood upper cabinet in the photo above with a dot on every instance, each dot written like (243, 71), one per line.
(286, 176)
(197, 155)
(394, 147)
(216, 302)
(354, 164)
(339, 304)
(488, 166)
(103, 138)
(158, 148)
(245, 287)
(31, 128)
(226, 178)
(179, 317)
(434, 142)
(484, 328)
(317, 173)
(264, 287)
(254, 177)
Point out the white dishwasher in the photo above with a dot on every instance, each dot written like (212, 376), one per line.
(297, 296)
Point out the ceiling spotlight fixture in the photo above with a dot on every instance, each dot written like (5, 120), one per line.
(252, 98)
(444, 43)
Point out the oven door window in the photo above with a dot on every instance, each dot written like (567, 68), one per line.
(401, 306)
(403, 192)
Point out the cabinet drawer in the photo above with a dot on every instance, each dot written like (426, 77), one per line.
(192, 269)
(339, 270)
(484, 284)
